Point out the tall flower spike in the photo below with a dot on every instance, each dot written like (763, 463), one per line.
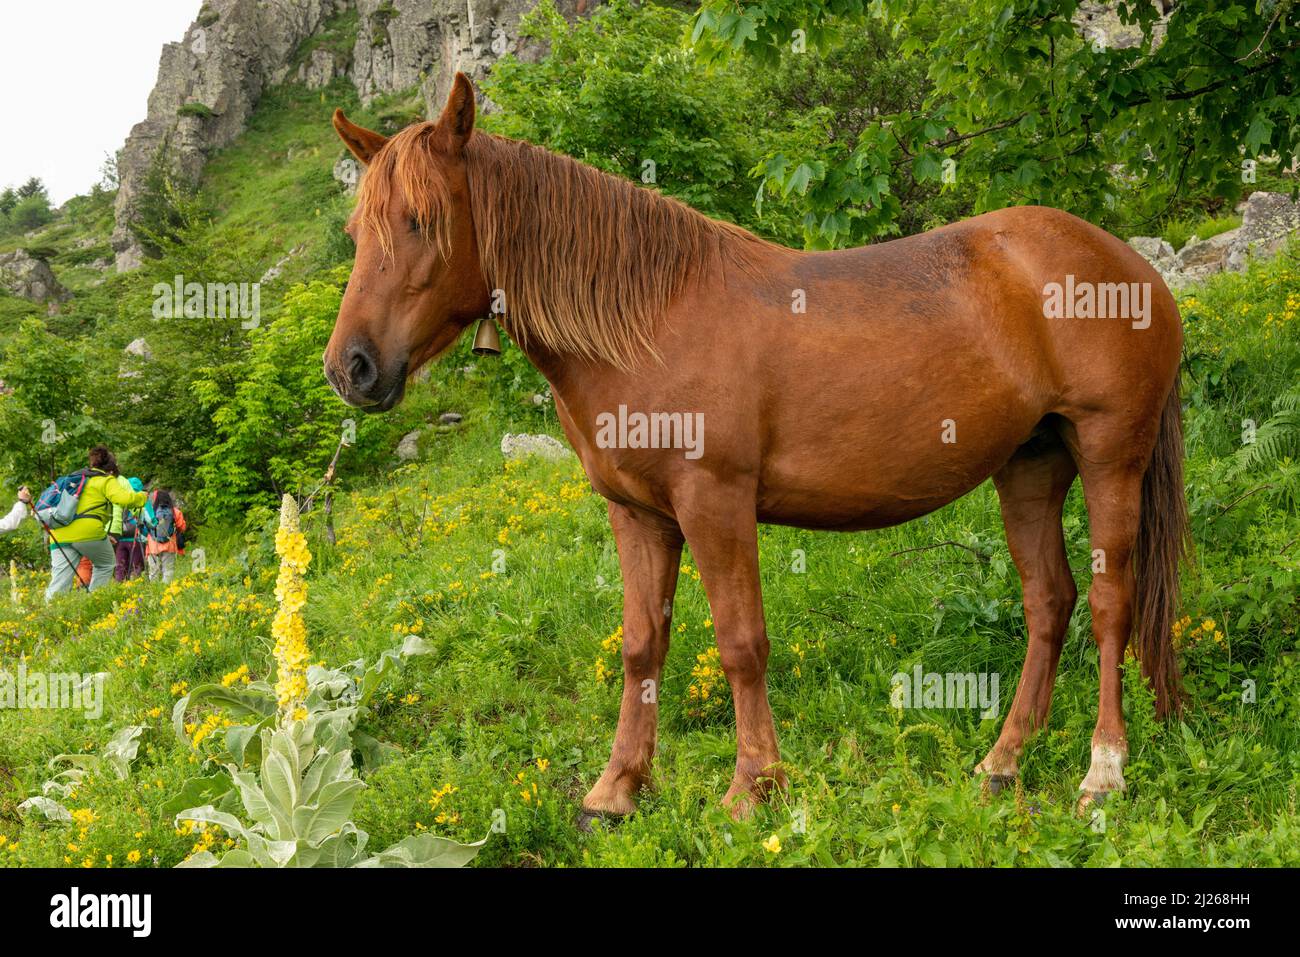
(289, 629)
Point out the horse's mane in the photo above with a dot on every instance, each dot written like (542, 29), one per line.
(588, 262)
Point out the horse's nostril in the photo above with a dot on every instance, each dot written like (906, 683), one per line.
(362, 368)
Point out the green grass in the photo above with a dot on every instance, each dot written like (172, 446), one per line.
(1178, 232)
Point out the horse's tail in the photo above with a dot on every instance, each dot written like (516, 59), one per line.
(1163, 541)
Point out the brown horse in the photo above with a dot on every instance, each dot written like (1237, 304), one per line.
(841, 390)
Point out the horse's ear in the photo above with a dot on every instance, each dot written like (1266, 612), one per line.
(457, 120)
(363, 143)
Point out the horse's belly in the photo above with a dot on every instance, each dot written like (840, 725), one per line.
(853, 487)
(815, 509)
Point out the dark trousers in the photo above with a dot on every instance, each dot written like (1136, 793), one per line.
(130, 560)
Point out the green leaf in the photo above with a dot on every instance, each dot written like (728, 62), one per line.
(314, 823)
(425, 850)
(1259, 134)
(798, 181)
(199, 791)
(207, 814)
(51, 809)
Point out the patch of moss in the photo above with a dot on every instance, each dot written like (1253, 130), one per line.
(201, 110)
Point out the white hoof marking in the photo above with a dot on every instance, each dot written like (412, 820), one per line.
(1107, 771)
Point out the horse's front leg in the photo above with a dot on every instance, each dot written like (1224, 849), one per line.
(649, 553)
(722, 531)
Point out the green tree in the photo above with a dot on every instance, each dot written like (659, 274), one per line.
(47, 421)
(31, 213)
(33, 187)
(618, 91)
(1025, 109)
(280, 423)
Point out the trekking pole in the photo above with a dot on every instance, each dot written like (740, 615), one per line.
(50, 532)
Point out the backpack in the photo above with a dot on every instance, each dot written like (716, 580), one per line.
(57, 506)
(130, 524)
(164, 525)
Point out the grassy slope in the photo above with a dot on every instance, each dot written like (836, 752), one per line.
(513, 680)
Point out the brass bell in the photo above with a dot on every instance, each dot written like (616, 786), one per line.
(487, 341)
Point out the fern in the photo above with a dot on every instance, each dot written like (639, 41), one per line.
(1276, 439)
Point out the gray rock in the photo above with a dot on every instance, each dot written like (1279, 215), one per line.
(320, 69)
(1099, 22)
(1153, 249)
(1267, 222)
(30, 277)
(522, 445)
(450, 418)
(408, 450)
(237, 49)
(1206, 252)
(140, 349)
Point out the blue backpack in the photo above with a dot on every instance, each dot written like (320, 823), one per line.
(57, 506)
(164, 525)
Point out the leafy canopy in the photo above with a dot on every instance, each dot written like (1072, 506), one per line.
(1028, 110)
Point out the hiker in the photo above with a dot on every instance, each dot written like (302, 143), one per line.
(163, 520)
(86, 499)
(19, 512)
(127, 536)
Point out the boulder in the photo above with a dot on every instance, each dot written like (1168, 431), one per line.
(1267, 222)
(1153, 249)
(408, 450)
(30, 277)
(1099, 22)
(522, 445)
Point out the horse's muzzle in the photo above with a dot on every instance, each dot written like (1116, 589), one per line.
(361, 381)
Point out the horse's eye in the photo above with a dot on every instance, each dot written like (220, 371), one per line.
(415, 225)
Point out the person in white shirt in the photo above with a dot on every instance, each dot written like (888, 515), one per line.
(19, 512)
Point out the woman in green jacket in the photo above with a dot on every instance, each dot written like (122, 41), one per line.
(86, 535)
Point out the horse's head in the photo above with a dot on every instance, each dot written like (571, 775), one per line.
(416, 282)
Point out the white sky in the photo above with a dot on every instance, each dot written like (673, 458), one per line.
(75, 76)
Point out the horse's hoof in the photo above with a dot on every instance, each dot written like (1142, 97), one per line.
(585, 819)
(997, 783)
(1089, 800)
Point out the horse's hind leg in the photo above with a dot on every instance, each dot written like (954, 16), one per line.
(1031, 488)
(1111, 465)
(649, 553)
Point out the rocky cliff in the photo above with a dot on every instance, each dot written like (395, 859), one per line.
(210, 82)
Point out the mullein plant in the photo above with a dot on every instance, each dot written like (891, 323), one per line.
(298, 801)
(289, 629)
